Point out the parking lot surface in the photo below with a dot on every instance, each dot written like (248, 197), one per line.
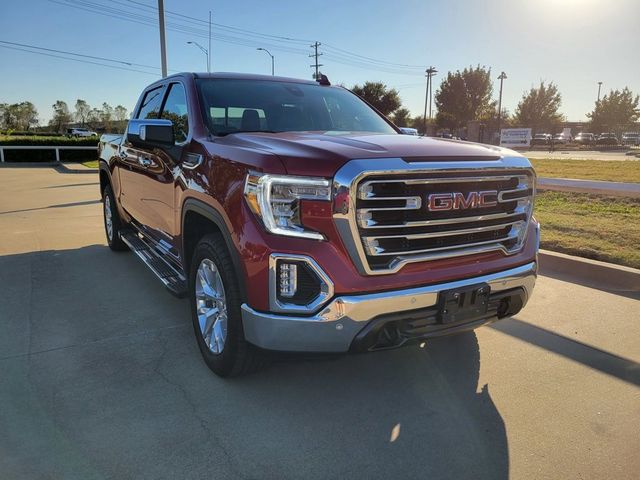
(101, 376)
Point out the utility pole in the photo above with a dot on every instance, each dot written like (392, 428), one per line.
(209, 49)
(599, 86)
(426, 102)
(316, 55)
(430, 72)
(502, 78)
(163, 47)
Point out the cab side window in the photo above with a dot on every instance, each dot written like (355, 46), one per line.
(175, 109)
(151, 103)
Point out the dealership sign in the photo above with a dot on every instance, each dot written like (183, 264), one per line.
(515, 137)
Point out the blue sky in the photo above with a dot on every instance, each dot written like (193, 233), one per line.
(574, 43)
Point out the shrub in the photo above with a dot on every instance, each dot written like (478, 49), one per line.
(48, 155)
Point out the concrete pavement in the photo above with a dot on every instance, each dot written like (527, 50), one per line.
(101, 377)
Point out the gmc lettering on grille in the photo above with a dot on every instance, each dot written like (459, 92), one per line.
(440, 202)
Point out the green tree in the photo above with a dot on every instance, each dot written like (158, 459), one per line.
(61, 116)
(616, 110)
(383, 98)
(93, 117)
(18, 116)
(26, 115)
(106, 115)
(82, 111)
(539, 107)
(402, 117)
(464, 96)
(120, 113)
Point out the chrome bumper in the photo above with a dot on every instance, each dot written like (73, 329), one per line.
(334, 327)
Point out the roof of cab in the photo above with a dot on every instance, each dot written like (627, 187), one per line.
(240, 76)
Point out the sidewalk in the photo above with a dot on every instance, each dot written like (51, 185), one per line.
(617, 189)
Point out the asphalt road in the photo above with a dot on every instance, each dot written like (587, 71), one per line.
(100, 377)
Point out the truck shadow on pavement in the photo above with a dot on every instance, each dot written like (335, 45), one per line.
(99, 361)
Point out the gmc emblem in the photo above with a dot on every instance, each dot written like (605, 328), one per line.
(440, 202)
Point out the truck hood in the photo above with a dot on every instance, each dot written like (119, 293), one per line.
(322, 154)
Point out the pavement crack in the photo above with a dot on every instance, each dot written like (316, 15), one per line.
(29, 353)
(210, 435)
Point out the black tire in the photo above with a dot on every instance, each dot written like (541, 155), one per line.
(109, 203)
(237, 357)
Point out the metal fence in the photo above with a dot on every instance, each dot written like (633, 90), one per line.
(41, 147)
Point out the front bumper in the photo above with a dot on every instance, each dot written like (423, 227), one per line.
(347, 321)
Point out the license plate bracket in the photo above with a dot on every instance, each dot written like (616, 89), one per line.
(463, 304)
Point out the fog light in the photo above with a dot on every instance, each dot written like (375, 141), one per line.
(288, 279)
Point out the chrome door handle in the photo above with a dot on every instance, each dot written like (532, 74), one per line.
(145, 162)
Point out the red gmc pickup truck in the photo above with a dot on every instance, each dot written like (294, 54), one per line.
(295, 217)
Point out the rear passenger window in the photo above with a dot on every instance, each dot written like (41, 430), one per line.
(151, 103)
(175, 109)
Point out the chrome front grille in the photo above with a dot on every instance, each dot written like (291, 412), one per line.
(395, 222)
(400, 216)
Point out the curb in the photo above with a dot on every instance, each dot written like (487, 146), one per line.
(593, 273)
(629, 190)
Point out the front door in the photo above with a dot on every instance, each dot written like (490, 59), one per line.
(152, 183)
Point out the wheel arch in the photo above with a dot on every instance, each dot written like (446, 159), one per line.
(105, 178)
(199, 219)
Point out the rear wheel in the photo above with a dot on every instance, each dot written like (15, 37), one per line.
(112, 222)
(215, 310)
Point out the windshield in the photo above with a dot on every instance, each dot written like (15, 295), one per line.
(233, 106)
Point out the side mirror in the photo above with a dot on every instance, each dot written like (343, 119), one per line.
(148, 133)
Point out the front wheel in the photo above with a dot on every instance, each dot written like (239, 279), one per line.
(215, 310)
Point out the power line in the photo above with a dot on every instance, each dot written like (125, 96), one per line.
(152, 22)
(78, 60)
(373, 60)
(338, 55)
(195, 19)
(131, 64)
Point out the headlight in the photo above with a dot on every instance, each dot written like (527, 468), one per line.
(275, 199)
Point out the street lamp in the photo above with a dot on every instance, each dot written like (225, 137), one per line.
(272, 58)
(502, 78)
(204, 50)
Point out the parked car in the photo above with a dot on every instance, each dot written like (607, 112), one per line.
(562, 138)
(294, 217)
(607, 139)
(408, 130)
(631, 138)
(80, 132)
(584, 138)
(450, 136)
(541, 139)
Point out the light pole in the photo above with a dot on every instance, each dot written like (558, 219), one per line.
(204, 50)
(599, 86)
(502, 78)
(272, 58)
